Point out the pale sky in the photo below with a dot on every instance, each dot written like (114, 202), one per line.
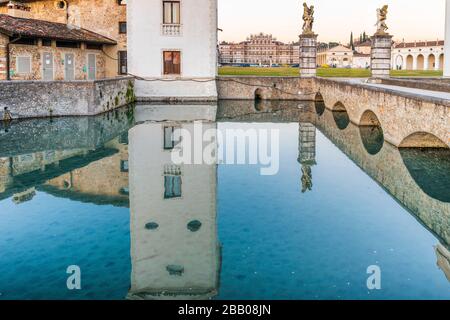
(334, 19)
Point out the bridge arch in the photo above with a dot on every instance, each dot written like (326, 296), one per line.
(319, 104)
(339, 106)
(423, 140)
(259, 94)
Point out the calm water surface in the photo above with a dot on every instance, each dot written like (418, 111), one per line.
(102, 193)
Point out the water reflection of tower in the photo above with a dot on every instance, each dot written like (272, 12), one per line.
(174, 245)
(307, 153)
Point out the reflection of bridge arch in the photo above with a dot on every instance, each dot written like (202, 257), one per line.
(371, 132)
(422, 140)
(430, 169)
(340, 115)
(390, 169)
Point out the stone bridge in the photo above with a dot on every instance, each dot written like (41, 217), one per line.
(407, 120)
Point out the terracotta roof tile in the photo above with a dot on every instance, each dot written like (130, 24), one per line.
(49, 30)
(420, 44)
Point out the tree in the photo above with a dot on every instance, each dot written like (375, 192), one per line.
(352, 45)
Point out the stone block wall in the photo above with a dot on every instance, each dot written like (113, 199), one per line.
(32, 99)
(381, 56)
(308, 55)
(266, 88)
(36, 54)
(3, 59)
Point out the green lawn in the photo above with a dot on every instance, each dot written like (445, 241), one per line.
(321, 72)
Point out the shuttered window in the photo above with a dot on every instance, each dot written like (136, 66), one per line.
(172, 62)
(123, 62)
(23, 65)
(171, 12)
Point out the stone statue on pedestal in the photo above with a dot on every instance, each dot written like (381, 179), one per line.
(381, 20)
(308, 18)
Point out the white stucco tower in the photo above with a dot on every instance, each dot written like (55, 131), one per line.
(172, 49)
(447, 41)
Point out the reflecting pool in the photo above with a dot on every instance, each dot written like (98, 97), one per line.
(105, 194)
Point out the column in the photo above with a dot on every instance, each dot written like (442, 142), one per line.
(447, 41)
(414, 62)
(404, 60)
(308, 55)
(437, 62)
(381, 55)
(425, 62)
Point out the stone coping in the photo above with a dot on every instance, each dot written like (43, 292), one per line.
(408, 95)
(67, 81)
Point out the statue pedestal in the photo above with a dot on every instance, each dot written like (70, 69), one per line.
(381, 55)
(308, 55)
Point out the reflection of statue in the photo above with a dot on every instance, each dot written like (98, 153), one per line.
(381, 20)
(307, 153)
(308, 18)
(307, 183)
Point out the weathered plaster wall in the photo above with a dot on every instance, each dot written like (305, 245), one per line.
(197, 42)
(29, 99)
(269, 88)
(36, 54)
(400, 114)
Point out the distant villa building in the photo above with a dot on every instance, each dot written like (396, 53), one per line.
(52, 40)
(172, 49)
(340, 57)
(418, 55)
(259, 49)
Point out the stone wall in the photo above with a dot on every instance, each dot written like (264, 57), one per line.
(36, 54)
(31, 99)
(266, 88)
(3, 53)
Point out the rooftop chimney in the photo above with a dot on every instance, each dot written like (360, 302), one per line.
(18, 10)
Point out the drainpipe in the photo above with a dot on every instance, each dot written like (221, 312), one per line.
(8, 62)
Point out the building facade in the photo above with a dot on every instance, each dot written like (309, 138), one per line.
(172, 49)
(259, 49)
(336, 57)
(62, 40)
(418, 55)
(175, 251)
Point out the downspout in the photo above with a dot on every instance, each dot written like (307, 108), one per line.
(8, 62)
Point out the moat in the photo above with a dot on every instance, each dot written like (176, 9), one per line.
(102, 193)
